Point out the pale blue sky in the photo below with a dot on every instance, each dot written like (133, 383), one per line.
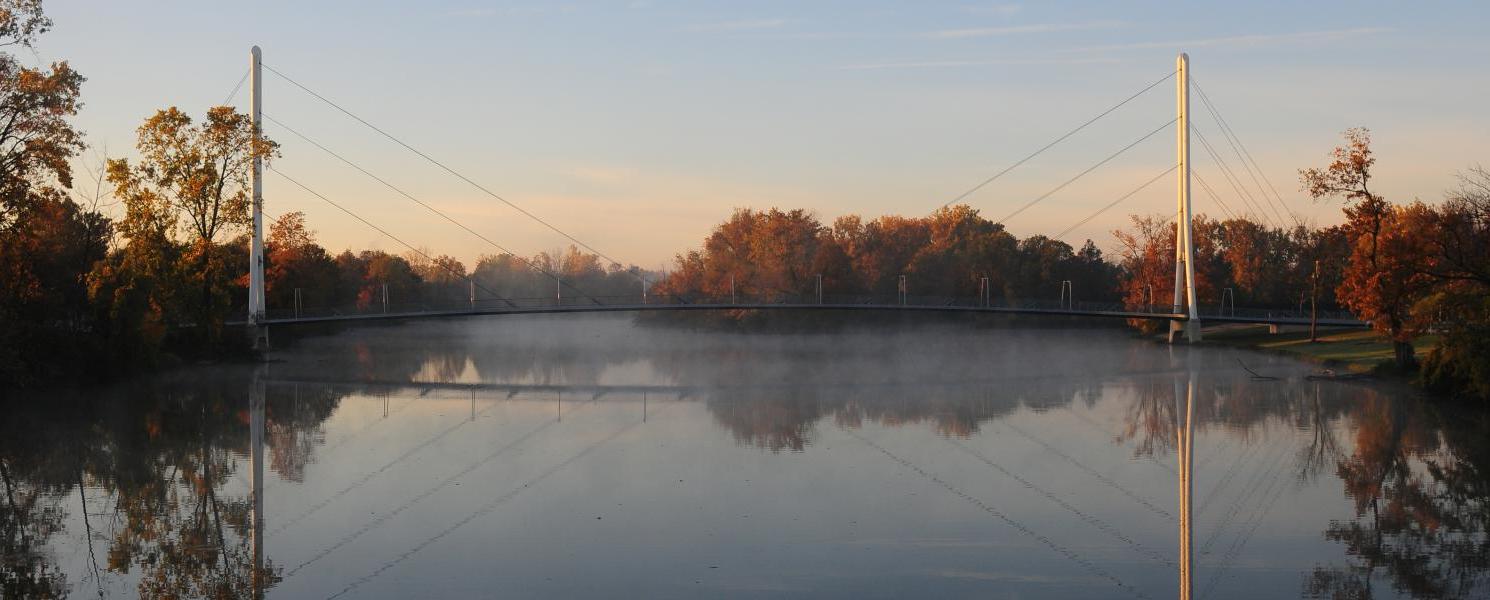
(638, 125)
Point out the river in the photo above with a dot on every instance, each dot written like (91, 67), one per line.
(615, 456)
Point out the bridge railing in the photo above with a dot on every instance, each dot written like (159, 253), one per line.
(422, 302)
(414, 303)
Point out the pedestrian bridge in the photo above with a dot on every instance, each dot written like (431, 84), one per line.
(910, 305)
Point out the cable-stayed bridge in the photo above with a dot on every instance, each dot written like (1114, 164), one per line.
(1184, 313)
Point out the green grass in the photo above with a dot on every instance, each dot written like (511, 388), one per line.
(1355, 349)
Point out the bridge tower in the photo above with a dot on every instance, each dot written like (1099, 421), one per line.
(256, 252)
(1184, 242)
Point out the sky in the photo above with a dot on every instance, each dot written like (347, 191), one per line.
(636, 126)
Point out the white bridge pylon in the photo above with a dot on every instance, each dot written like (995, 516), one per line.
(1185, 302)
(1184, 240)
(256, 250)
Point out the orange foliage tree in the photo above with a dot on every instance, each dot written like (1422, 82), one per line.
(1386, 273)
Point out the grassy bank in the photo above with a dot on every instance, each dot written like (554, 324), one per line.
(1356, 350)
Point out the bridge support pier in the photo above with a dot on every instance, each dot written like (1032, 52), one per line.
(1189, 329)
(259, 336)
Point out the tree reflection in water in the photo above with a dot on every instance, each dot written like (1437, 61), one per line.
(1418, 479)
(153, 461)
(161, 453)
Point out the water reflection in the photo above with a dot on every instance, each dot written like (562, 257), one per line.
(1418, 480)
(161, 485)
(150, 468)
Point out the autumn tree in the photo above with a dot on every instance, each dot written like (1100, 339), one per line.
(390, 272)
(1460, 302)
(196, 176)
(884, 248)
(1146, 254)
(47, 241)
(768, 255)
(961, 248)
(294, 261)
(1384, 276)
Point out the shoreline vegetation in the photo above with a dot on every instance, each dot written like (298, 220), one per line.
(141, 272)
(1343, 351)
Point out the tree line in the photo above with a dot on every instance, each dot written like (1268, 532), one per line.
(83, 294)
(1407, 268)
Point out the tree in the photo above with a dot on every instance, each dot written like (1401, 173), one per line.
(21, 21)
(961, 248)
(295, 261)
(883, 250)
(386, 270)
(47, 241)
(193, 179)
(768, 255)
(1387, 274)
(1147, 253)
(1460, 303)
(1384, 277)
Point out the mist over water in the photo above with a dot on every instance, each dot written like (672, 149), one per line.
(612, 455)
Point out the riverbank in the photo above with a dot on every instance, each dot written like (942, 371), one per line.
(1352, 350)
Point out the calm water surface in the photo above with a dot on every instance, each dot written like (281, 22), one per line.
(602, 457)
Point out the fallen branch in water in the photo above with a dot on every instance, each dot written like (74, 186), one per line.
(1255, 375)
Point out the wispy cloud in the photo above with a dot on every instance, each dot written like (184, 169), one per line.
(1020, 29)
(738, 25)
(1246, 40)
(945, 64)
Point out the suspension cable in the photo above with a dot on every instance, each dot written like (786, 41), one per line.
(1235, 143)
(1231, 178)
(1229, 175)
(1212, 194)
(1226, 128)
(1058, 140)
(453, 172)
(432, 209)
(1120, 199)
(391, 236)
(1088, 170)
(234, 94)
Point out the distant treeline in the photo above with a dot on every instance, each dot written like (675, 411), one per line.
(356, 281)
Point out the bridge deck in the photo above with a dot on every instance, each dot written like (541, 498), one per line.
(496, 311)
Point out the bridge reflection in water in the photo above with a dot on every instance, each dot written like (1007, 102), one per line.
(1045, 478)
(1184, 381)
(256, 407)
